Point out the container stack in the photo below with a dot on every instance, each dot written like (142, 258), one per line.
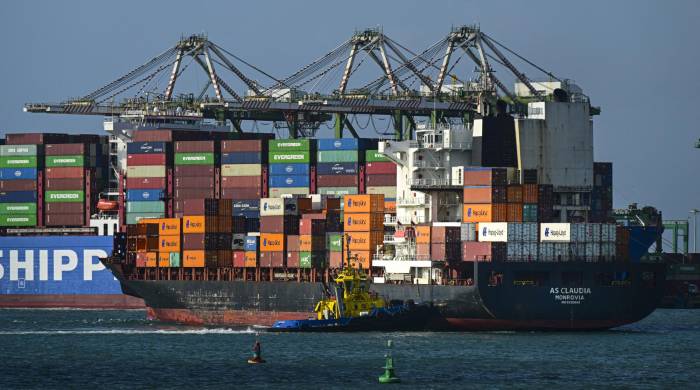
(251, 252)
(169, 241)
(338, 166)
(195, 174)
(601, 197)
(423, 241)
(246, 216)
(278, 216)
(206, 233)
(514, 196)
(522, 241)
(146, 184)
(445, 238)
(290, 167)
(242, 169)
(380, 178)
(485, 195)
(144, 238)
(363, 217)
(312, 241)
(66, 184)
(18, 185)
(334, 244)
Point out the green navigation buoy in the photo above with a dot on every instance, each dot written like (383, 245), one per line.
(389, 376)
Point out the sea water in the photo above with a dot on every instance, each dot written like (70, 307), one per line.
(121, 349)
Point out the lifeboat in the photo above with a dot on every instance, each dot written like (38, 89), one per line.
(107, 205)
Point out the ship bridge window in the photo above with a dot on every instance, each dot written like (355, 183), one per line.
(572, 279)
(525, 279)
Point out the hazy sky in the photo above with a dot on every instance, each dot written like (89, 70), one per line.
(637, 60)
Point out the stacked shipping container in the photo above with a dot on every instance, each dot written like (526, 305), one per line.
(18, 185)
(146, 180)
(206, 233)
(195, 175)
(363, 228)
(242, 169)
(68, 176)
(338, 166)
(290, 166)
(380, 178)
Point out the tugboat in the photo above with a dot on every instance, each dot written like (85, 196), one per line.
(353, 307)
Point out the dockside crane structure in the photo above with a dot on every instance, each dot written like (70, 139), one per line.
(335, 87)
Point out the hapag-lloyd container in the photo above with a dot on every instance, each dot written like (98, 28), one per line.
(477, 213)
(363, 203)
(272, 242)
(362, 222)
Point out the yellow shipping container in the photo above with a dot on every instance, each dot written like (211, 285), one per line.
(271, 242)
(477, 212)
(367, 203)
(193, 258)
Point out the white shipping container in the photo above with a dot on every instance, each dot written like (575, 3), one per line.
(271, 207)
(494, 232)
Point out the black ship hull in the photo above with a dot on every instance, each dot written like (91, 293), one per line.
(503, 296)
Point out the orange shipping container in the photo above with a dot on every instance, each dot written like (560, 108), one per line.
(423, 234)
(151, 259)
(168, 226)
(515, 212)
(363, 222)
(272, 242)
(514, 193)
(365, 241)
(193, 258)
(369, 203)
(164, 260)
(363, 258)
(169, 244)
(251, 259)
(390, 207)
(309, 243)
(477, 212)
(500, 212)
(530, 193)
(193, 224)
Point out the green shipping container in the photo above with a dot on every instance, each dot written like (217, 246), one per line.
(174, 259)
(145, 207)
(17, 150)
(530, 213)
(64, 196)
(17, 208)
(335, 242)
(333, 156)
(18, 162)
(194, 158)
(375, 156)
(304, 259)
(65, 161)
(337, 190)
(132, 218)
(295, 156)
(278, 145)
(18, 220)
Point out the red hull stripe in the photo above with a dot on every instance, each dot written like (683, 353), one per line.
(103, 301)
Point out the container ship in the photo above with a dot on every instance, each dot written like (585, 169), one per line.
(501, 224)
(492, 216)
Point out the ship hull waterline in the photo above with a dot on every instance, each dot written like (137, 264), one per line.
(484, 306)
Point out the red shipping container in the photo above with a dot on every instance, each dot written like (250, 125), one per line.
(380, 180)
(335, 259)
(240, 145)
(423, 249)
(499, 211)
(193, 241)
(194, 170)
(241, 182)
(134, 160)
(34, 138)
(239, 259)
(143, 183)
(380, 168)
(515, 212)
(241, 193)
(293, 243)
(272, 259)
(201, 182)
(530, 193)
(18, 185)
(193, 206)
(476, 251)
(64, 184)
(65, 173)
(338, 180)
(64, 149)
(152, 136)
(293, 259)
(192, 193)
(272, 224)
(194, 146)
(485, 177)
(64, 208)
(65, 219)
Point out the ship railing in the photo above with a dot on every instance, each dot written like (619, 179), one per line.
(379, 257)
(440, 145)
(389, 219)
(410, 201)
(431, 182)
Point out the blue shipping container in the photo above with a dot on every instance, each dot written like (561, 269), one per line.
(56, 265)
(338, 144)
(241, 158)
(289, 181)
(145, 147)
(246, 205)
(143, 195)
(249, 214)
(18, 173)
(251, 243)
(17, 196)
(337, 168)
(289, 169)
